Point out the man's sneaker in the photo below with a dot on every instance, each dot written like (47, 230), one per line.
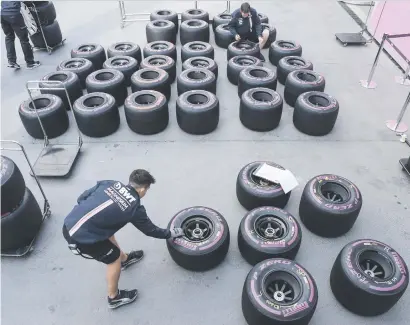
(261, 57)
(33, 65)
(123, 297)
(13, 65)
(133, 257)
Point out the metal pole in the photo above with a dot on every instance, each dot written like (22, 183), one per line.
(398, 126)
(378, 22)
(367, 18)
(403, 80)
(369, 83)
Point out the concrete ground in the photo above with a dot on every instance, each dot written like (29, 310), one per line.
(52, 286)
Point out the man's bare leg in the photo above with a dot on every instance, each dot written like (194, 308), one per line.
(123, 255)
(265, 37)
(113, 276)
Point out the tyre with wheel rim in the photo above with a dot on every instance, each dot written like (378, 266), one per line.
(161, 48)
(201, 62)
(109, 81)
(223, 36)
(330, 205)
(220, 19)
(161, 30)
(165, 14)
(368, 277)
(205, 242)
(97, 114)
(279, 291)
(199, 14)
(196, 79)
(163, 62)
(197, 112)
(125, 49)
(272, 34)
(239, 63)
(146, 112)
(315, 113)
(13, 185)
(125, 64)
(281, 48)
(243, 48)
(80, 66)
(302, 81)
(151, 79)
(91, 51)
(254, 192)
(196, 48)
(52, 113)
(268, 232)
(260, 109)
(194, 30)
(253, 77)
(291, 63)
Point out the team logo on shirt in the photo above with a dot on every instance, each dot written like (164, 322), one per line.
(117, 185)
(120, 195)
(240, 21)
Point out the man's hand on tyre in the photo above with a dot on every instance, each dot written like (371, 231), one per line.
(177, 232)
(237, 37)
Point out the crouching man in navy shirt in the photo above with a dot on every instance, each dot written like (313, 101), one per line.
(246, 25)
(103, 210)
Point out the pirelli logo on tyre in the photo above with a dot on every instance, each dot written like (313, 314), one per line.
(120, 195)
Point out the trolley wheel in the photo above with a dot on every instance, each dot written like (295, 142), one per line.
(344, 44)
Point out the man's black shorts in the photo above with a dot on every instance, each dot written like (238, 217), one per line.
(105, 251)
(251, 36)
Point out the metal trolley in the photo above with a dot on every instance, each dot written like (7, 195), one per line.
(46, 206)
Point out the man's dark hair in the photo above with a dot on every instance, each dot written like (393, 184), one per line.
(245, 7)
(141, 178)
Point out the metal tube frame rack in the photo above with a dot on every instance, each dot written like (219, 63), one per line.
(54, 160)
(22, 251)
(145, 15)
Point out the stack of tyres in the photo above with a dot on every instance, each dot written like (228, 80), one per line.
(21, 216)
(45, 16)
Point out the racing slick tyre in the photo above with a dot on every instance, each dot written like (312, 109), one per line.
(19, 227)
(253, 77)
(260, 109)
(196, 79)
(289, 64)
(201, 62)
(263, 18)
(302, 81)
(161, 30)
(161, 48)
(199, 14)
(125, 49)
(194, 30)
(97, 114)
(80, 66)
(281, 48)
(268, 232)
(52, 34)
(330, 205)
(197, 112)
(91, 51)
(125, 64)
(368, 277)
(109, 81)
(254, 192)
(146, 112)
(223, 37)
(165, 14)
(197, 48)
(52, 112)
(151, 79)
(163, 62)
(239, 63)
(279, 291)
(272, 34)
(45, 12)
(243, 48)
(220, 19)
(315, 113)
(68, 79)
(12, 185)
(205, 242)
